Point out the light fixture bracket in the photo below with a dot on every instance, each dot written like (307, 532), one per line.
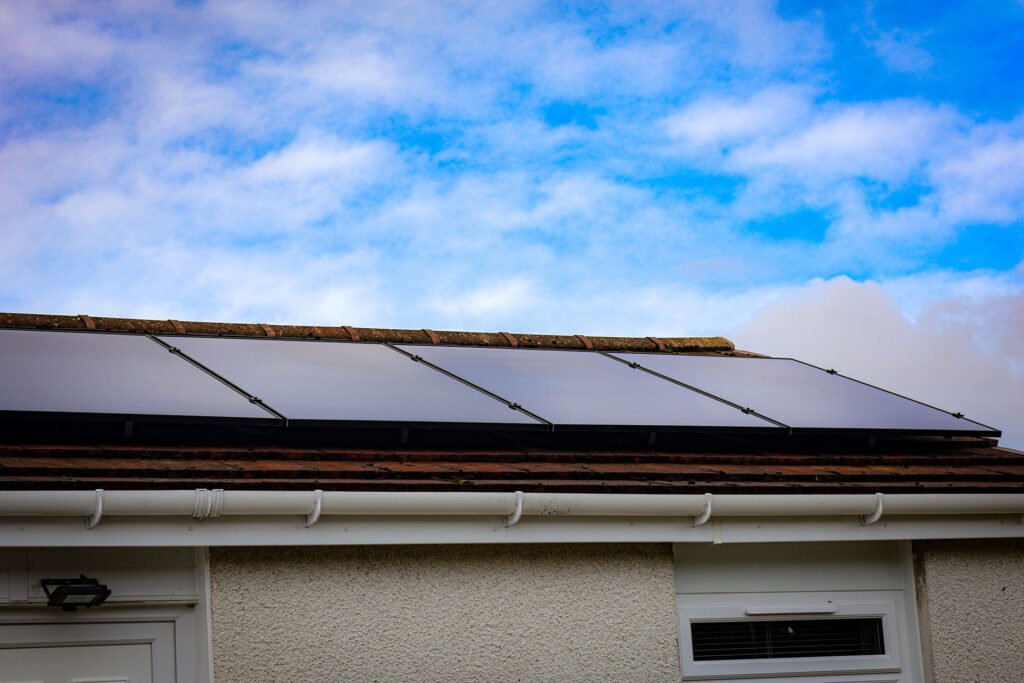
(70, 594)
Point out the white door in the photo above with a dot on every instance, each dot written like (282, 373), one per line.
(78, 664)
(125, 652)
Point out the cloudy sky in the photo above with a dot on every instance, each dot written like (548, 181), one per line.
(840, 184)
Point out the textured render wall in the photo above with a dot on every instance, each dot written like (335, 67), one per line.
(971, 595)
(432, 613)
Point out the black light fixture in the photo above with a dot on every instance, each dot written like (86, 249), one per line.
(70, 594)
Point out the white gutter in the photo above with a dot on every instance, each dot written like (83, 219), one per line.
(313, 505)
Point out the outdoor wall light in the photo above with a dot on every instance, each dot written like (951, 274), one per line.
(70, 594)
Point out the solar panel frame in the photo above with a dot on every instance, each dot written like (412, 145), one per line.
(794, 426)
(135, 351)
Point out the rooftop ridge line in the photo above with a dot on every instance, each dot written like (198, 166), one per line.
(710, 345)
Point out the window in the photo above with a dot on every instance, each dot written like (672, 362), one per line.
(796, 612)
(753, 639)
(751, 635)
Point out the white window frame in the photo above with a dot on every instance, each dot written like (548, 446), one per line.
(886, 605)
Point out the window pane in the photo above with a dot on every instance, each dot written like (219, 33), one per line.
(748, 639)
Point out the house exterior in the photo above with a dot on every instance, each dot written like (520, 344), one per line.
(277, 503)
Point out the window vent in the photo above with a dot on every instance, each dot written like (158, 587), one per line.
(748, 639)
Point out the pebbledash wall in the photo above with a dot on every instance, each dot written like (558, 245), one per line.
(546, 612)
(441, 613)
(971, 605)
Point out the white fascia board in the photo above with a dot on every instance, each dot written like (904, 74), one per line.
(139, 531)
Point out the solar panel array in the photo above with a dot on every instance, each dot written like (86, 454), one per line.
(326, 382)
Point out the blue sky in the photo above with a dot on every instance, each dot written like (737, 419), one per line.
(829, 181)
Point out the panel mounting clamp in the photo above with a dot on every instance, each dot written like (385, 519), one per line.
(352, 334)
(318, 505)
(268, 329)
(877, 514)
(517, 511)
(704, 516)
(587, 344)
(176, 324)
(434, 339)
(90, 324)
(97, 512)
(512, 341)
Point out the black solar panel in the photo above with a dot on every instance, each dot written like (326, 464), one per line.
(309, 380)
(95, 373)
(79, 372)
(801, 395)
(584, 388)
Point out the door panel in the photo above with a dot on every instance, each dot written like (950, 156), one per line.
(78, 664)
(84, 652)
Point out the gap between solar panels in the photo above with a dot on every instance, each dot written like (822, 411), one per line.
(231, 385)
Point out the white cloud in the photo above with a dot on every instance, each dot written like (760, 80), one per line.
(901, 51)
(490, 302)
(984, 183)
(37, 41)
(717, 120)
(318, 157)
(879, 141)
(757, 37)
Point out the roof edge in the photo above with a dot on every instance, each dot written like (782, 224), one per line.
(716, 345)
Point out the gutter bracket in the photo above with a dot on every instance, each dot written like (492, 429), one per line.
(97, 513)
(704, 516)
(517, 512)
(314, 516)
(877, 514)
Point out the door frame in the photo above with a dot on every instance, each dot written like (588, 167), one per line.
(169, 629)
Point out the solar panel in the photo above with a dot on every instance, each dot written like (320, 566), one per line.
(584, 388)
(92, 372)
(801, 395)
(317, 380)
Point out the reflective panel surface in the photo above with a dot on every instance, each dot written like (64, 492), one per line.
(800, 395)
(316, 380)
(92, 372)
(584, 388)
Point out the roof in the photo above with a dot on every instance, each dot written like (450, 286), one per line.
(715, 345)
(72, 453)
(965, 466)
